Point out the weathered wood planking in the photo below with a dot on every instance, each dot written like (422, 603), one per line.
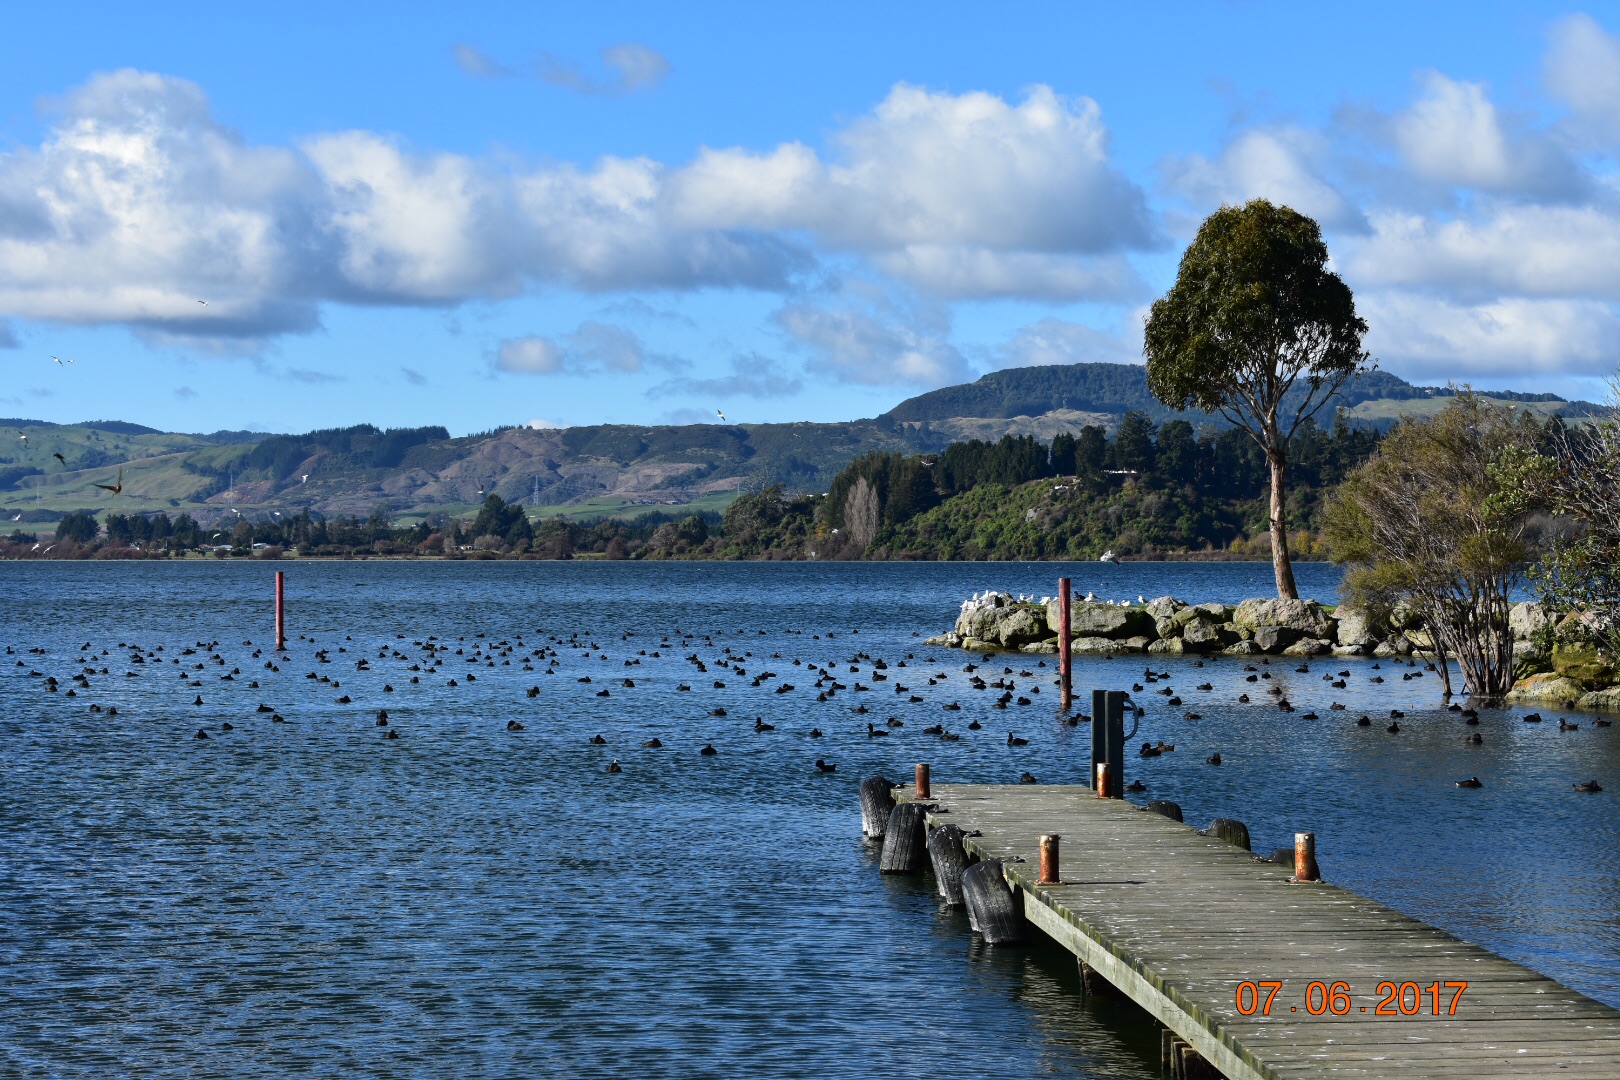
(1177, 921)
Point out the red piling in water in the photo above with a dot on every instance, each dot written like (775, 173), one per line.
(1065, 660)
(1105, 782)
(281, 620)
(922, 780)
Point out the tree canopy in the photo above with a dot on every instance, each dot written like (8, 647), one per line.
(1258, 329)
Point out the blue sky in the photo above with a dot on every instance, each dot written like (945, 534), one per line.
(480, 215)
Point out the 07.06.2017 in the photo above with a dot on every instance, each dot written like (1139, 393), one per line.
(1395, 999)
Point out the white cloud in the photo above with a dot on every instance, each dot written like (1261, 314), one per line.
(593, 347)
(1505, 249)
(980, 273)
(1285, 165)
(630, 67)
(542, 424)
(140, 203)
(1421, 336)
(751, 375)
(478, 64)
(855, 346)
(1058, 341)
(1582, 69)
(530, 356)
(964, 195)
(1454, 135)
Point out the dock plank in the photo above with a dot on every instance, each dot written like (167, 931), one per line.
(1177, 920)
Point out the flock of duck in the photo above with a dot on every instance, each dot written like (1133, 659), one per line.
(856, 683)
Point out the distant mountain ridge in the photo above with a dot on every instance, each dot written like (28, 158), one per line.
(1118, 388)
(592, 471)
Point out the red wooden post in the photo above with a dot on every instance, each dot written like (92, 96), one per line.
(1049, 860)
(1305, 868)
(281, 621)
(1105, 782)
(923, 791)
(1065, 660)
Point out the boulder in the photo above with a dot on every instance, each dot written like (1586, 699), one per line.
(1082, 646)
(1583, 664)
(1274, 638)
(1309, 647)
(1021, 626)
(1201, 636)
(1546, 687)
(1527, 618)
(1355, 626)
(1103, 620)
(1167, 627)
(1047, 646)
(1601, 700)
(1163, 607)
(1170, 646)
(950, 639)
(1393, 646)
(1242, 648)
(1529, 658)
(1305, 617)
(979, 621)
(1138, 644)
(1349, 650)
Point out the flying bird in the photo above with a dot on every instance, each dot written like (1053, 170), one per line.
(24, 438)
(60, 458)
(60, 361)
(720, 414)
(116, 489)
(304, 479)
(204, 303)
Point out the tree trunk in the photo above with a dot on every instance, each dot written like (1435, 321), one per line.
(1286, 589)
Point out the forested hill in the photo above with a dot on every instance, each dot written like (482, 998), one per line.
(1114, 389)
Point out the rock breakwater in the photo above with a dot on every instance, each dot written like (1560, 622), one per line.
(1573, 676)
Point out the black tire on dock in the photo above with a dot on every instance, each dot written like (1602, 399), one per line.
(950, 860)
(1231, 830)
(1166, 807)
(992, 910)
(904, 845)
(875, 806)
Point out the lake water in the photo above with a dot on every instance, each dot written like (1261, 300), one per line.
(311, 898)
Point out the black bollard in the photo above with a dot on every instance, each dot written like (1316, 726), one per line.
(1166, 807)
(950, 859)
(875, 806)
(904, 845)
(992, 910)
(1231, 830)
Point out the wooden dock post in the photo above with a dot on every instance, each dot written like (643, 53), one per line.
(1305, 868)
(1108, 742)
(922, 780)
(1065, 657)
(281, 612)
(1049, 860)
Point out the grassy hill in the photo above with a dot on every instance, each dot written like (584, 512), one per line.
(617, 470)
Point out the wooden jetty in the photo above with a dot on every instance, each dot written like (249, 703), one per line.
(1198, 931)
